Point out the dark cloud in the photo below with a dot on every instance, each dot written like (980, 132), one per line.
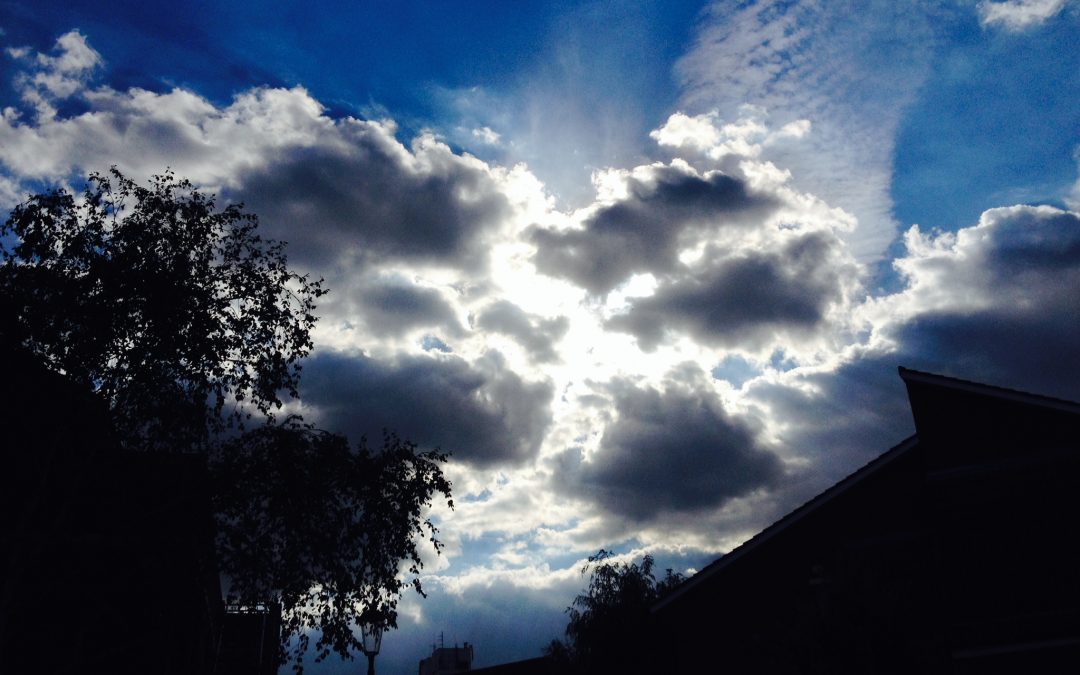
(837, 420)
(1022, 267)
(676, 450)
(1029, 240)
(1002, 310)
(745, 299)
(535, 333)
(370, 199)
(483, 413)
(646, 231)
(1020, 350)
(389, 306)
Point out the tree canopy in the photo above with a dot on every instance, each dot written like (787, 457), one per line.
(358, 514)
(175, 312)
(611, 628)
(185, 322)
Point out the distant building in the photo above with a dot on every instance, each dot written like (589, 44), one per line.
(953, 552)
(447, 660)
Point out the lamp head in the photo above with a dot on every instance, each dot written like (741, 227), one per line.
(371, 636)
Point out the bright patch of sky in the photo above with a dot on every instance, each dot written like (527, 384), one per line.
(647, 269)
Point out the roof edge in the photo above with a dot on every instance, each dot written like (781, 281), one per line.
(910, 376)
(753, 543)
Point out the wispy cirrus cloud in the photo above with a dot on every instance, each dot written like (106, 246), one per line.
(1016, 15)
(847, 68)
(565, 354)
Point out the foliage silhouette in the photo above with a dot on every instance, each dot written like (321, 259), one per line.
(186, 323)
(611, 628)
(359, 513)
(170, 309)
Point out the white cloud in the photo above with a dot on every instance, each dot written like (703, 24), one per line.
(683, 131)
(50, 79)
(486, 135)
(726, 249)
(1016, 15)
(707, 134)
(846, 68)
(1017, 261)
(143, 131)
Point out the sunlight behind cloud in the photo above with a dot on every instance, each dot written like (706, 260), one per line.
(663, 352)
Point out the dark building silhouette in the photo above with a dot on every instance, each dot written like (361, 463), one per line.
(953, 552)
(109, 561)
(250, 638)
(448, 660)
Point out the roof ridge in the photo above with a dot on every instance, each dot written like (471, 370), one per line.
(909, 375)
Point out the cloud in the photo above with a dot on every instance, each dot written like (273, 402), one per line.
(535, 333)
(670, 450)
(724, 254)
(484, 413)
(1016, 15)
(1020, 259)
(51, 79)
(751, 299)
(664, 209)
(832, 420)
(996, 300)
(507, 615)
(849, 68)
(372, 197)
(338, 189)
(748, 136)
(388, 305)
(486, 135)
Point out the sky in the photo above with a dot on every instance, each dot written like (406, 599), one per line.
(646, 269)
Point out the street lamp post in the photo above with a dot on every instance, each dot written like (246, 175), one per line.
(371, 635)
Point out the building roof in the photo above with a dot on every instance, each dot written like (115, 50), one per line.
(924, 393)
(918, 377)
(772, 531)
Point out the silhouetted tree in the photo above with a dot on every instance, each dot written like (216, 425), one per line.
(323, 528)
(611, 629)
(173, 311)
(184, 322)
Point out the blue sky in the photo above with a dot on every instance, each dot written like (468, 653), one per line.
(647, 268)
(991, 125)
